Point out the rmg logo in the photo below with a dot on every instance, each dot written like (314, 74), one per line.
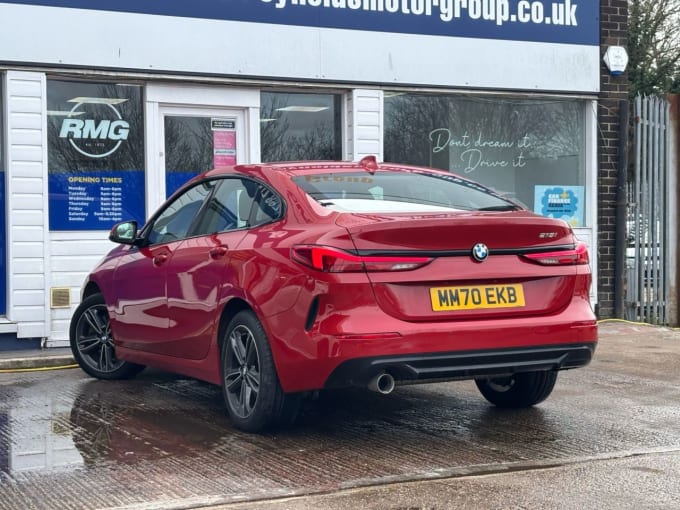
(90, 128)
(100, 133)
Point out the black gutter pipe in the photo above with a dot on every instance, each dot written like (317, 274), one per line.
(621, 213)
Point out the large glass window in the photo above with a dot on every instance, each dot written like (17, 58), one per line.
(95, 154)
(530, 150)
(3, 237)
(300, 127)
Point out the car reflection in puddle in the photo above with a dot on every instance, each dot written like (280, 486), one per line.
(109, 428)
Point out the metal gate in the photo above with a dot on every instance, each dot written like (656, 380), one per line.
(647, 268)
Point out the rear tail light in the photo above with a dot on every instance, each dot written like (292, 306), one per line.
(334, 260)
(577, 256)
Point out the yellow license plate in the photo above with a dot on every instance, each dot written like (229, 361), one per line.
(478, 296)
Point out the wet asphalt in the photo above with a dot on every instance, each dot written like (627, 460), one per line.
(608, 437)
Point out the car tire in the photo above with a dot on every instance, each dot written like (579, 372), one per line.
(519, 390)
(92, 342)
(250, 385)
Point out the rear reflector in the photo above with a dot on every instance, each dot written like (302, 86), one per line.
(577, 256)
(370, 336)
(334, 260)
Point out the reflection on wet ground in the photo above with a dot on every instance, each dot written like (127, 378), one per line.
(164, 439)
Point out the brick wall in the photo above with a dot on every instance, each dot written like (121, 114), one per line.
(613, 32)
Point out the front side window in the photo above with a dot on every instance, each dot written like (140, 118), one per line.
(176, 220)
(300, 127)
(531, 150)
(95, 154)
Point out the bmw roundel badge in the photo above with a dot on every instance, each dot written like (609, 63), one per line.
(480, 252)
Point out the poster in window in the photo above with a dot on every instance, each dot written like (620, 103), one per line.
(224, 142)
(562, 202)
(95, 154)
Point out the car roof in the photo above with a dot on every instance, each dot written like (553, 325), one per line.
(293, 168)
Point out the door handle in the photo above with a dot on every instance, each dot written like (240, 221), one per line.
(218, 252)
(160, 259)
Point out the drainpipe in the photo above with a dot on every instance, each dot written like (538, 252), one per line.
(621, 213)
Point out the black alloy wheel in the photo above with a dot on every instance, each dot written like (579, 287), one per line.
(242, 381)
(250, 385)
(519, 390)
(92, 343)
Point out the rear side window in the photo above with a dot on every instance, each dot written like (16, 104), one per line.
(411, 191)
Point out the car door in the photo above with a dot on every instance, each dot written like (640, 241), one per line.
(140, 319)
(200, 268)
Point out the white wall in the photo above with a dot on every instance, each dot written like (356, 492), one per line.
(72, 257)
(364, 124)
(26, 196)
(104, 39)
(37, 259)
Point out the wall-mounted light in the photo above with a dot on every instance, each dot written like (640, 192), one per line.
(616, 59)
(301, 108)
(97, 100)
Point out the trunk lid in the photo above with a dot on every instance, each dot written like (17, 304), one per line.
(455, 285)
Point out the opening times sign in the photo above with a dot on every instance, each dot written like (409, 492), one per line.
(95, 200)
(95, 154)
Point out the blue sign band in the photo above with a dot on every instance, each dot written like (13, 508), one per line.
(548, 21)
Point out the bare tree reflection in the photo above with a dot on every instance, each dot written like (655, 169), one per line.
(310, 137)
(188, 144)
(552, 128)
(408, 121)
(64, 158)
(509, 144)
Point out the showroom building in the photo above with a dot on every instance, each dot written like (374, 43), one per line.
(107, 107)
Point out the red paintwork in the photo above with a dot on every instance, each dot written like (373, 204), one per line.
(165, 302)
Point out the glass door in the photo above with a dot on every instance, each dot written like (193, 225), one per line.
(199, 139)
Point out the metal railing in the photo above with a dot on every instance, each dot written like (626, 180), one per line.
(647, 271)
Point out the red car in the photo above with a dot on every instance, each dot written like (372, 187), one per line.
(276, 280)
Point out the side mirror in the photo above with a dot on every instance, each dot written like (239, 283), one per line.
(124, 233)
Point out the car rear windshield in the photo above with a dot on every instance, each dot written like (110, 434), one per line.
(388, 191)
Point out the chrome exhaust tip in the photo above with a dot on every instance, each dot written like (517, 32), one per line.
(382, 383)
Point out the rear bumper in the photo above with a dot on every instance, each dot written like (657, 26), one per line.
(451, 349)
(415, 368)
